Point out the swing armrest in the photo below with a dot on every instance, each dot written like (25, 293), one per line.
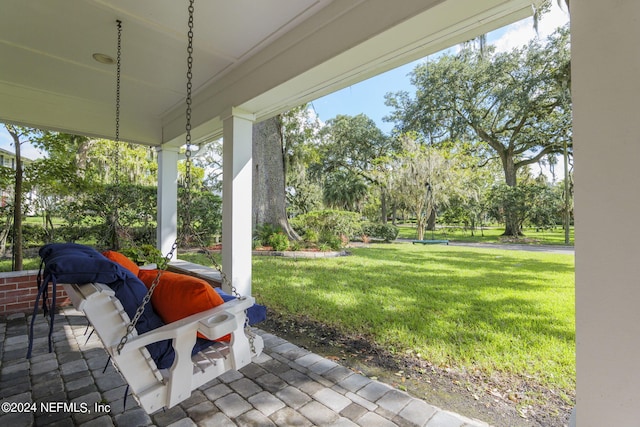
(213, 323)
(81, 294)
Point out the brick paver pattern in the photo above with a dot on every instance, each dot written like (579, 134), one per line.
(285, 386)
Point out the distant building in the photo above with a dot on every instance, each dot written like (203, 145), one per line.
(8, 160)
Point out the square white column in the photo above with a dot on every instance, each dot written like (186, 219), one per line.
(167, 198)
(605, 64)
(236, 200)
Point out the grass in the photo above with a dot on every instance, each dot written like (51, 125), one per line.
(28, 264)
(498, 312)
(488, 235)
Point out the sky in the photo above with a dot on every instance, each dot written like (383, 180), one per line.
(368, 97)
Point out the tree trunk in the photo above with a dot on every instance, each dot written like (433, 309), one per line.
(17, 205)
(512, 224)
(269, 199)
(431, 221)
(420, 226)
(4, 235)
(383, 205)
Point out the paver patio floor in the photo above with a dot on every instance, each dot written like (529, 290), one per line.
(285, 386)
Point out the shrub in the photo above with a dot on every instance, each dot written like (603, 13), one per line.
(263, 233)
(144, 235)
(204, 217)
(330, 241)
(279, 241)
(311, 236)
(144, 254)
(33, 235)
(328, 221)
(255, 243)
(386, 232)
(294, 246)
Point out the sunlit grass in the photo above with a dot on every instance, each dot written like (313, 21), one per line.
(487, 235)
(497, 311)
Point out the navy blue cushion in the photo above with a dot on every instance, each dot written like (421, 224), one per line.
(74, 263)
(75, 267)
(131, 291)
(61, 248)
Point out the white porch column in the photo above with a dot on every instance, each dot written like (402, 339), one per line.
(606, 89)
(236, 203)
(167, 198)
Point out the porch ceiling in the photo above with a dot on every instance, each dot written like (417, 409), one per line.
(260, 56)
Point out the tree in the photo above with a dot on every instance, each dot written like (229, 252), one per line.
(209, 159)
(344, 190)
(7, 176)
(422, 177)
(269, 202)
(56, 176)
(514, 106)
(19, 135)
(532, 201)
(468, 202)
(301, 138)
(353, 146)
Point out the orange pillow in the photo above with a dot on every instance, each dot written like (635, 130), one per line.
(122, 260)
(179, 295)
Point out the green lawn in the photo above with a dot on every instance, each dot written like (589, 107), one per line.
(497, 312)
(28, 264)
(488, 235)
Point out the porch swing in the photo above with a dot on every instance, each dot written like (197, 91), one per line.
(161, 363)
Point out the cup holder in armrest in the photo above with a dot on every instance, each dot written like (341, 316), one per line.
(217, 325)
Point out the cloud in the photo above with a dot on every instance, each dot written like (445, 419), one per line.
(521, 32)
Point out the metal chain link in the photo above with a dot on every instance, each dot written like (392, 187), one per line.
(119, 22)
(116, 148)
(225, 281)
(188, 151)
(187, 219)
(147, 297)
(188, 177)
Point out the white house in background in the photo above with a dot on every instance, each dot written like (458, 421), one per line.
(8, 160)
(256, 59)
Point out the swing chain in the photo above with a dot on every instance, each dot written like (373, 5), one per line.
(225, 281)
(161, 268)
(132, 325)
(119, 51)
(188, 152)
(116, 145)
(189, 226)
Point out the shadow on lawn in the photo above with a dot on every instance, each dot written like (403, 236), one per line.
(440, 300)
(468, 322)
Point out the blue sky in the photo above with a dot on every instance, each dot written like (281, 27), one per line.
(368, 97)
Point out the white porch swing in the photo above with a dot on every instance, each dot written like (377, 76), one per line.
(152, 387)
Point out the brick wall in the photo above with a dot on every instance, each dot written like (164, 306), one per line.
(18, 290)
